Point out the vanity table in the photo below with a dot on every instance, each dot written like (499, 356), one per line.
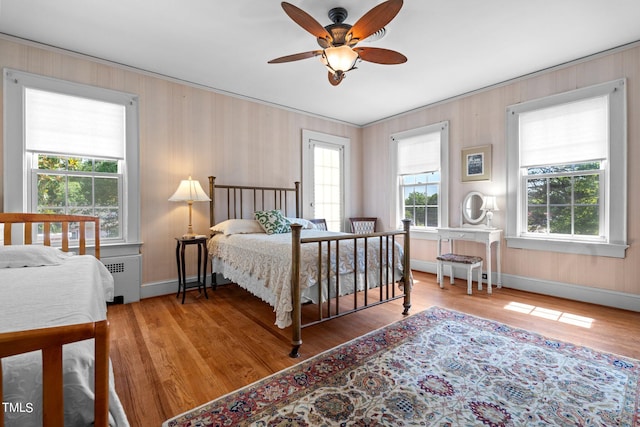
(473, 211)
(488, 236)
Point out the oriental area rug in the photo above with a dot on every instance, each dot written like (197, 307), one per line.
(439, 368)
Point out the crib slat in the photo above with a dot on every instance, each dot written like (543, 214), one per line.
(7, 233)
(28, 234)
(47, 234)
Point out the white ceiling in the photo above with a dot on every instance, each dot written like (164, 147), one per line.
(453, 46)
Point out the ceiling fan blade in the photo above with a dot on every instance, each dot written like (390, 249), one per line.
(374, 20)
(306, 21)
(296, 57)
(336, 79)
(380, 55)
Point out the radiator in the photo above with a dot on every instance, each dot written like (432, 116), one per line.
(127, 275)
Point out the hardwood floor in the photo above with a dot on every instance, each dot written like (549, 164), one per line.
(169, 358)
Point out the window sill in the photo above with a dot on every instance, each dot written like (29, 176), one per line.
(108, 250)
(119, 249)
(612, 250)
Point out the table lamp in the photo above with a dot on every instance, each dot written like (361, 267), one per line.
(189, 191)
(490, 205)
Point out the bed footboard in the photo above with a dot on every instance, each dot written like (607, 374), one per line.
(406, 280)
(50, 341)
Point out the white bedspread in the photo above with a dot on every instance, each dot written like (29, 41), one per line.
(75, 291)
(261, 263)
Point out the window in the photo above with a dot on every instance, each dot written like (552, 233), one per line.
(421, 171)
(79, 186)
(420, 198)
(564, 200)
(567, 173)
(72, 149)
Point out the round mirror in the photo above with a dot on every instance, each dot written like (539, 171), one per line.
(472, 207)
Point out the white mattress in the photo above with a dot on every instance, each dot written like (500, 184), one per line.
(261, 264)
(74, 291)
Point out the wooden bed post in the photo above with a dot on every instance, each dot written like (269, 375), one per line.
(296, 316)
(406, 267)
(101, 386)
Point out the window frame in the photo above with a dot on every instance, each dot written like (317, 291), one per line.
(614, 185)
(17, 185)
(572, 205)
(427, 184)
(35, 172)
(396, 184)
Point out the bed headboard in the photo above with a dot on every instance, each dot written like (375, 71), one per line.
(29, 219)
(240, 201)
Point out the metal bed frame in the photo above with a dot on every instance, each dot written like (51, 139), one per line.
(242, 201)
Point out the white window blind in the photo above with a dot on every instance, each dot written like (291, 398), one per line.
(567, 133)
(420, 153)
(71, 125)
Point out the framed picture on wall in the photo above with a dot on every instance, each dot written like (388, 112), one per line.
(476, 163)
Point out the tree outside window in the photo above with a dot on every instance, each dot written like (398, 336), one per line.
(80, 186)
(421, 198)
(564, 200)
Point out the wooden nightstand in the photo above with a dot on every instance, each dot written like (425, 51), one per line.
(201, 242)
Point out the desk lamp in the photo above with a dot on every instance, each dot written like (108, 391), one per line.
(189, 191)
(490, 205)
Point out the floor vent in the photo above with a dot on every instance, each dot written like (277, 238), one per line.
(117, 267)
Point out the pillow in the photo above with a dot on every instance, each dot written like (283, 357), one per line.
(237, 226)
(31, 256)
(273, 222)
(305, 223)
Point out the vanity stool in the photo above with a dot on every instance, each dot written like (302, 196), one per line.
(457, 260)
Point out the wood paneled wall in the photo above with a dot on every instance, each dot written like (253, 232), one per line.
(479, 119)
(185, 130)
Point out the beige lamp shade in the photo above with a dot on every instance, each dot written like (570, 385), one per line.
(189, 191)
(489, 206)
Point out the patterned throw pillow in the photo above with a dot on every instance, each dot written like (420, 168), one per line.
(273, 221)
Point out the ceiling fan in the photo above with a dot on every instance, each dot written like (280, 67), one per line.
(338, 40)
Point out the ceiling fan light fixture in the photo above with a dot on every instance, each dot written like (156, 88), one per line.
(339, 59)
(338, 40)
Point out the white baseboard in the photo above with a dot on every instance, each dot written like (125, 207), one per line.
(557, 289)
(570, 291)
(156, 289)
(167, 287)
(424, 266)
(574, 292)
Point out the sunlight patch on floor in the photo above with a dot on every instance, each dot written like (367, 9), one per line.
(549, 314)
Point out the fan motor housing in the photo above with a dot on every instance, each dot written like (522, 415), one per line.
(338, 29)
(338, 33)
